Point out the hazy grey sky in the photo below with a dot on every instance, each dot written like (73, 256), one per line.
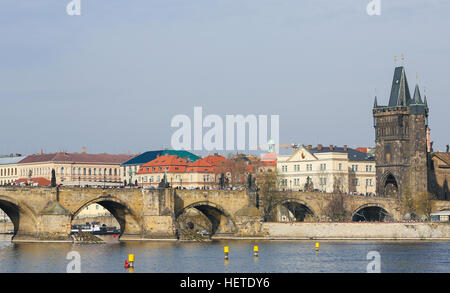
(112, 78)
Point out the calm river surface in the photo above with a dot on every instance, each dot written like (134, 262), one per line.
(188, 257)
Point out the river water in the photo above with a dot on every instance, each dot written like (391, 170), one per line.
(189, 257)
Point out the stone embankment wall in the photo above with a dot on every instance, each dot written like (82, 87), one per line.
(354, 231)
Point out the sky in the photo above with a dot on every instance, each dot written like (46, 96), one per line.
(112, 78)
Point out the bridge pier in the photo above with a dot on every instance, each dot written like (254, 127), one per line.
(52, 224)
(159, 228)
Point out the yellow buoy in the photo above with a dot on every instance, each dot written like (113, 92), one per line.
(317, 245)
(255, 250)
(131, 260)
(226, 250)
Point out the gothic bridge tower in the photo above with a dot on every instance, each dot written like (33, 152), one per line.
(401, 140)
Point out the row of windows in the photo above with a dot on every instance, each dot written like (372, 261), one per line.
(92, 171)
(323, 167)
(323, 181)
(8, 172)
(206, 178)
(75, 171)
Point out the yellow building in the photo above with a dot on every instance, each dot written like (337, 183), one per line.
(9, 169)
(93, 210)
(180, 173)
(328, 169)
(74, 169)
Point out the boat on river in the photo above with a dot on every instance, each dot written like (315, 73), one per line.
(95, 229)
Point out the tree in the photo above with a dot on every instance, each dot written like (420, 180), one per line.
(407, 203)
(53, 182)
(339, 184)
(309, 185)
(267, 184)
(423, 204)
(417, 205)
(335, 208)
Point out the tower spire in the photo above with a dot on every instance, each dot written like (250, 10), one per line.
(400, 95)
(417, 98)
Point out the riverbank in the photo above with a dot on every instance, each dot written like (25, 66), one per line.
(356, 231)
(323, 231)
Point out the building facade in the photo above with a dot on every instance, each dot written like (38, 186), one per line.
(179, 173)
(327, 169)
(130, 168)
(9, 169)
(73, 169)
(439, 175)
(401, 140)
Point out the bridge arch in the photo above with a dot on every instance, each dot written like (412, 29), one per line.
(21, 215)
(300, 209)
(221, 220)
(372, 212)
(127, 219)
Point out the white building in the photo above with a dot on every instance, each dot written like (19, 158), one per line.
(328, 169)
(9, 169)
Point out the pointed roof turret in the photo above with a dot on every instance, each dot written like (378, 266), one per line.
(400, 95)
(375, 103)
(425, 101)
(417, 99)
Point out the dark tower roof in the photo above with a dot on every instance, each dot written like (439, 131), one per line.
(400, 95)
(375, 103)
(417, 99)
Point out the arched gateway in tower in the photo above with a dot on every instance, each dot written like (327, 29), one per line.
(401, 140)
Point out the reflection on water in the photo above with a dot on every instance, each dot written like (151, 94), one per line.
(274, 256)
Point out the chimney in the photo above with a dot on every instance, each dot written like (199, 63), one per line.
(309, 146)
(331, 147)
(319, 147)
(83, 150)
(345, 147)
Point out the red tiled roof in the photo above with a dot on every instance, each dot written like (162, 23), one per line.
(214, 159)
(77, 157)
(39, 180)
(201, 165)
(172, 163)
(269, 157)
(175, 164)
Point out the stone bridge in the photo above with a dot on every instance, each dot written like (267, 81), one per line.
(46, 214)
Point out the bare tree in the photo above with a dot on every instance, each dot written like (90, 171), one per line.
(268, 191)
(335, 208)
(423, 204)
